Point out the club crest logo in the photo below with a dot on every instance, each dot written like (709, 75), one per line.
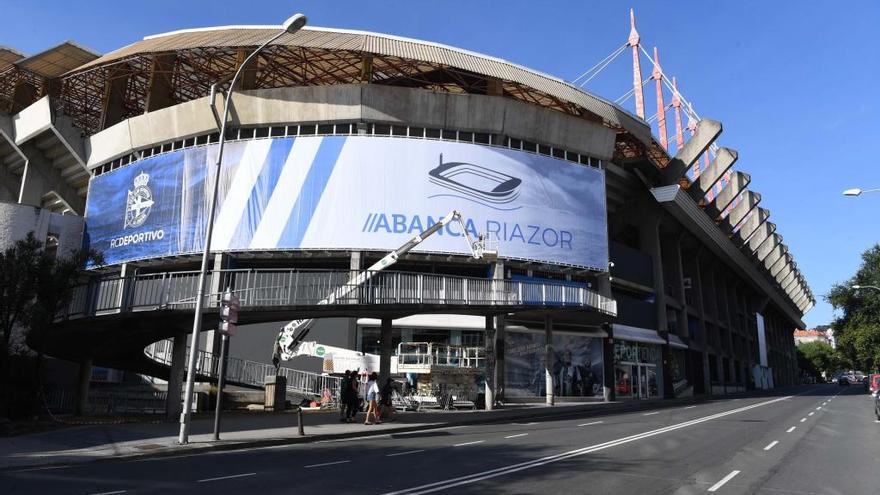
(139, 203)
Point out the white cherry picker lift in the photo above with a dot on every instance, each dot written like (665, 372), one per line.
(291, 335)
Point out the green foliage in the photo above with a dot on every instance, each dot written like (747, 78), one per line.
(817, 357)
(857, 329)
(34, 285)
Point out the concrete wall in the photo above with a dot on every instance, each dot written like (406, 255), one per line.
(17, 220)
(356, 103)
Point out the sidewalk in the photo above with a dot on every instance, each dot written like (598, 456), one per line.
(77, 444)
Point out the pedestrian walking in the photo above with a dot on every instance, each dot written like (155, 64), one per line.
(386, 396)
(371, 393)
(344, 393)
(353, 396)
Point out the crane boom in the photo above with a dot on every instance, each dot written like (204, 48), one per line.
(292, 334)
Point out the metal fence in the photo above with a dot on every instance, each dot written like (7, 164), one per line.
(296, 287)
(418, 355)
(247, 372)
(109, 402)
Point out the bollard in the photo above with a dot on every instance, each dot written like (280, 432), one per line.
(299, 422)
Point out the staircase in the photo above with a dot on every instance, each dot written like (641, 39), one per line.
(247, 373)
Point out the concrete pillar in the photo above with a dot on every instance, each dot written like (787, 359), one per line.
(491, 364)
(126, 273)
(548, 360)
(82, 386)
(500, 337)
(649, 238)
(385, 351)
(500, 368)
(608, 393)
(355, 264)
(173, 405)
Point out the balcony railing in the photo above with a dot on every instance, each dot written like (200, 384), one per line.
(296, 287)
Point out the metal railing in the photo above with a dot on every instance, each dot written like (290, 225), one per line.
(246, 372)
(296, 287)
(412, 355)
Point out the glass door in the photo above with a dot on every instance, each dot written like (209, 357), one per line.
(647, 381)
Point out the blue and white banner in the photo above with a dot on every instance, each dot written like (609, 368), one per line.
(351, 192)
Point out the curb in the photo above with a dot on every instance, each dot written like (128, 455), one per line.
(556, 411)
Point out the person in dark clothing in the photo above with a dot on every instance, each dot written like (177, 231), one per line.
(385, 395)
(344, 395)
(353, 399)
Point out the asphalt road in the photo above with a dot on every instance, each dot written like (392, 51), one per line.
(822, 440)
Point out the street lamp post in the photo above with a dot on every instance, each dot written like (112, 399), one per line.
(857, 287)
(290, 26)
(858, 192)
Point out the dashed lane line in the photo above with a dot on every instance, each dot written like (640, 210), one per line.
(591, 424)
(408, 452)
(771, 445)
(110, 493)
(722, 481)
(790, 429)
(651, 413)
(811, 413)
(690, 407)
(226, 477)
(468, 443)
(325, 464)
(517, 435)
(803, 419)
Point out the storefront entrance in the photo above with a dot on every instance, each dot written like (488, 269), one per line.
(637, 381)
(636, 371)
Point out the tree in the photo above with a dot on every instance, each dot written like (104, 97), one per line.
(816, 358)
(857, 329)
(34, 285)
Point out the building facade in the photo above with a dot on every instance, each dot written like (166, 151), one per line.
(619, 274)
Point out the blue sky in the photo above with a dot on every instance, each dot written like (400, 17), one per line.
(792, 82)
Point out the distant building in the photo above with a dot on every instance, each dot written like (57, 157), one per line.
(804, 336)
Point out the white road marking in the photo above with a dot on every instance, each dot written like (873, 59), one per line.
(225, 477)
(405, 453)
(526, 424)
(803, 419)
(515, 436)
(790, 429)
(468, 443)
(325, 464)
(690, 407)
(109, 493)
(722, 481)
(493, 473)
(651, 413)
(811, 413)
(591, 424)
(771, 445)
(819, 408)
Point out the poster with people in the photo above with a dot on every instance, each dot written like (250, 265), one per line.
(576, 368)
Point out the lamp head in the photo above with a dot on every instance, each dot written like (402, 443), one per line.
(852, 192)
(294, 23)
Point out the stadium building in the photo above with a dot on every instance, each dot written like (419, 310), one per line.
(620, 272)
